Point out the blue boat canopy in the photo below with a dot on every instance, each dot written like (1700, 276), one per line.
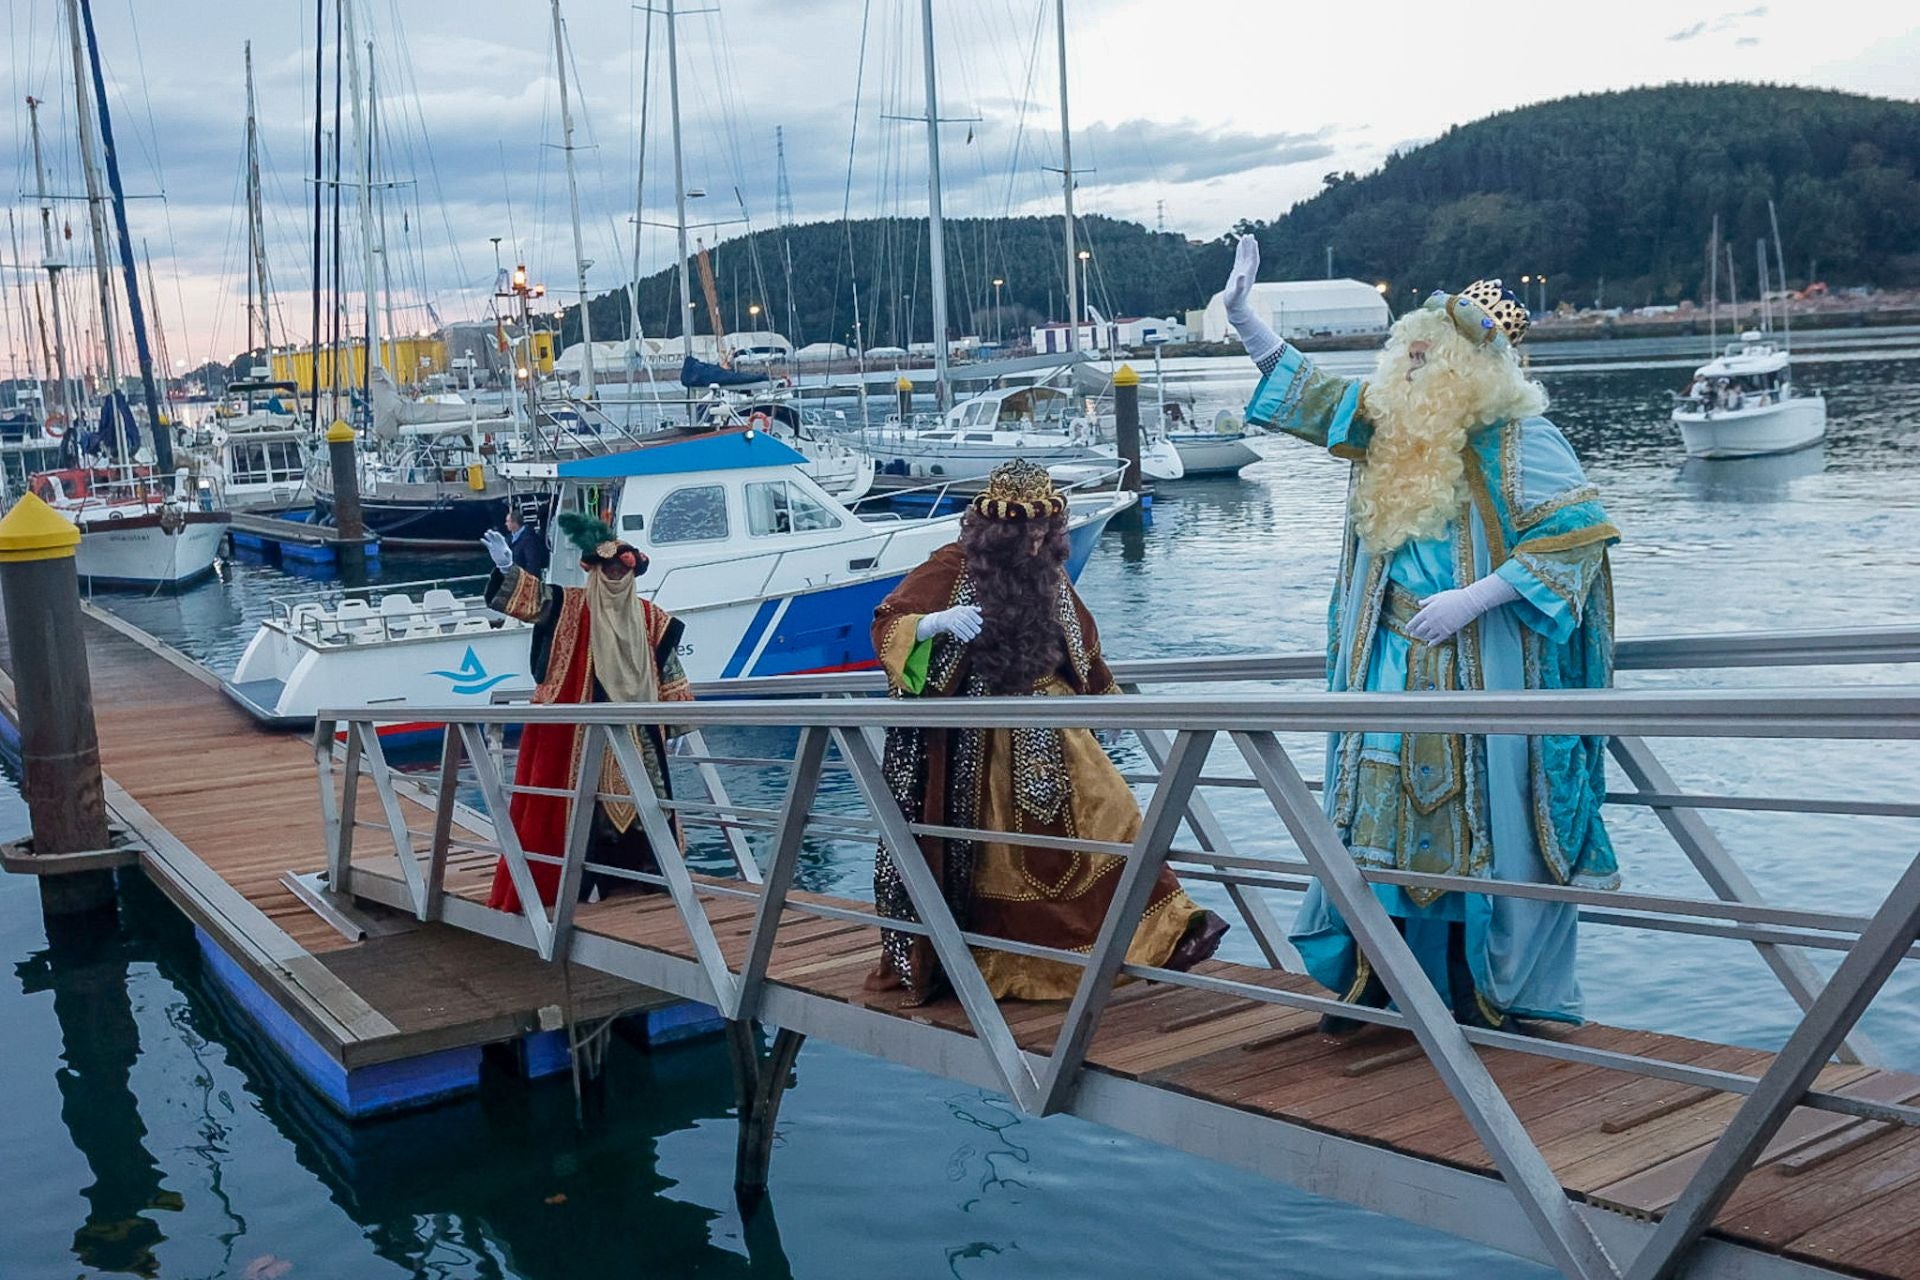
(722, 451)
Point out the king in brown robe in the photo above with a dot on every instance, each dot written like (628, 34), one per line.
(995, 614)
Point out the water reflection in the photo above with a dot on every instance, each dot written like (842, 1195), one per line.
(1763, 479)
(84, 966)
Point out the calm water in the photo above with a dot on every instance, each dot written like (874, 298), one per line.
(147, 1134)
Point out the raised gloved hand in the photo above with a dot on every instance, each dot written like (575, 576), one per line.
(962, 622)
(496, 544)
(1445, 612)
(1259, 340)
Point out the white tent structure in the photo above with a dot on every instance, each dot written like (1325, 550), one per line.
(1308, 308)
(823, 352)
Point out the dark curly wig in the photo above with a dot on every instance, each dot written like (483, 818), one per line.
(1020, 640)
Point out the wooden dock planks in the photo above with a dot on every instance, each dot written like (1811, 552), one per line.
(1620, 1141)
(229, 808)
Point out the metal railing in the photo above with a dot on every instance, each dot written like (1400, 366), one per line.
(1181, 736)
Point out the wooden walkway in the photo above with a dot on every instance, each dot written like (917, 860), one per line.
(1834, 1192)
(224, 810)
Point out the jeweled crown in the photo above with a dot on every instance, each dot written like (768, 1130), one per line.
(1487, 310)
(1019, 489)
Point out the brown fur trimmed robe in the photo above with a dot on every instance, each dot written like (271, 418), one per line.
(1040, 781)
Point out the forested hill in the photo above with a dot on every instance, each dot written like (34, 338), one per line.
(1621, 189)
(1135, 272)
(1609, 195)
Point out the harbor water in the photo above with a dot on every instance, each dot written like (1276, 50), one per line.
(149, 1133)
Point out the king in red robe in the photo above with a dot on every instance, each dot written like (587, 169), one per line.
(599, 643)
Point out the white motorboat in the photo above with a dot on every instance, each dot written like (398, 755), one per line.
(421, 642)
(255, 448)
(133, 533)
(1743, 404)
(1039, 423)
(770, 574)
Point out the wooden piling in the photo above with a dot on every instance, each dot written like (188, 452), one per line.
(1126, 424)
(903, 392)
(348, 519)
(58, 742)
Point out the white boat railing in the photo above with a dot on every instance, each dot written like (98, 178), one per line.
(388, 612)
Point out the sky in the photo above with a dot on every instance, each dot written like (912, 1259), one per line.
(1191, 114)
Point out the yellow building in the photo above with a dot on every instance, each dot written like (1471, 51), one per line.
(409, 360)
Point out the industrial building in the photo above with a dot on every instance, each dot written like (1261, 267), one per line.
(1308, 309)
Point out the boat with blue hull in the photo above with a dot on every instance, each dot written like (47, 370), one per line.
(771, 575)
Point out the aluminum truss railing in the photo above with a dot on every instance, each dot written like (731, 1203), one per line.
(1181, 734)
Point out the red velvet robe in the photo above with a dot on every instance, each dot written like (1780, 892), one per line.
(562, 660)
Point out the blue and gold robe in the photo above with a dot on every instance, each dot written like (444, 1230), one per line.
(1498, 807)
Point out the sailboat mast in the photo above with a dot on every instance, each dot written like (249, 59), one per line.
(936, 227)
(49, 260)
(634, 327)
(573, 202)
(96, 211)
(379, 192)
(363, 161)
(1066, 185)
(157, 427)
(680, 186)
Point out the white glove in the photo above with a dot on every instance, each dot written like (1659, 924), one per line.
(496, 544)
(1259, 340)
(1445, 612)
(962, 622)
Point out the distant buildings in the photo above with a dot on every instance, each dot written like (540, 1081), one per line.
(1109, 335)
(1307, 309)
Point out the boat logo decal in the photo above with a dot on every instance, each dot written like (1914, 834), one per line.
(472, 676)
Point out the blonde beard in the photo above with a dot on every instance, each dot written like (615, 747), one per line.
(1414, 477)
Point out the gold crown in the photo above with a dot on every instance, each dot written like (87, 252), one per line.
(1019, 489)
(1487, 308)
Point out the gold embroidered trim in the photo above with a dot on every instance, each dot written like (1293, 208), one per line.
(1569, 541)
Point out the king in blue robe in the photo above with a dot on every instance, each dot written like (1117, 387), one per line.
(1492, 807)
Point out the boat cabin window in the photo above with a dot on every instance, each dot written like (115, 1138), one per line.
(938, 435)
(778, 506)
(980, 437)
(694, 514)
(264, 462)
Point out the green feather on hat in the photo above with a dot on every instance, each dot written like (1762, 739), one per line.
(586, 532)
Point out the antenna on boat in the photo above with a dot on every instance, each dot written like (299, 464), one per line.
(1780, 258)
(680, 187)
(49, 260)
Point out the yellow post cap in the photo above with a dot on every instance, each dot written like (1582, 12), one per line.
(339, 432)
(35, 531)
(1124, 376)
(905, 384)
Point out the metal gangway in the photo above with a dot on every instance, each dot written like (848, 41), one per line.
(1600, 1152)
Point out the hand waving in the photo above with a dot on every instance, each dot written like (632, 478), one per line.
(1246, 266)
(496, 544)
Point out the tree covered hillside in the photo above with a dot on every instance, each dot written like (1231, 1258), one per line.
(1621, 189)
(1611, 196)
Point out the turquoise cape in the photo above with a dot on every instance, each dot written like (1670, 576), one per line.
(1498, 807)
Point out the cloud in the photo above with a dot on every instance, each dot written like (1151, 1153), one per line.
(1725, 22)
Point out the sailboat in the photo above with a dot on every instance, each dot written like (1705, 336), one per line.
(136, 526)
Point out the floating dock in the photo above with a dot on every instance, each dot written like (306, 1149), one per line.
(268, 534)
(375, 1011)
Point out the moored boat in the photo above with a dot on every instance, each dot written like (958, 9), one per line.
(770, 574)
(133, 533)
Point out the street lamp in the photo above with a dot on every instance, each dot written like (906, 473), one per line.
(1543, 295)
(997, 282)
